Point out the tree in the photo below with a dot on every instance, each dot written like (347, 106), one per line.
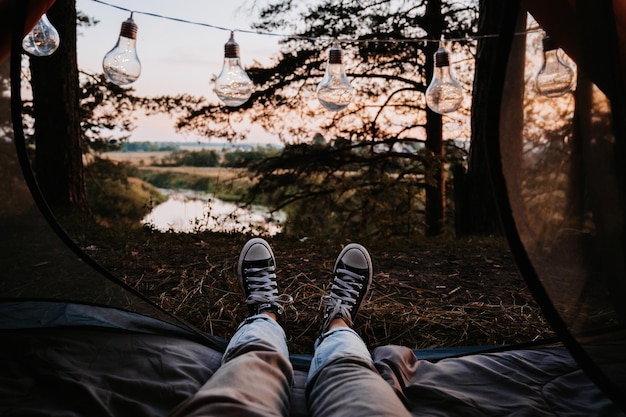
(435, 201)
(58, 136)
(76, 112)
(387, 134)
(478, 214)
(6, 130)
(107, 110)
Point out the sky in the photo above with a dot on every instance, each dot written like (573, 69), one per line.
(176, 57)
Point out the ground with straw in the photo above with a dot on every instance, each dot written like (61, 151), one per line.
(424, 295)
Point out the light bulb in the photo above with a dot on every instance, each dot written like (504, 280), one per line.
(43, 39)
(233, 86)
(555, 77)
(121, 64)
(444, 94)
(334, 92)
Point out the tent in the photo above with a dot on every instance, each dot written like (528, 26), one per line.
(76, 341)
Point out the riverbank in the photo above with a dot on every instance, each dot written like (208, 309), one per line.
(227, 184)
(187, 211)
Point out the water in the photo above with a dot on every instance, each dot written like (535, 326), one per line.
(192, 211)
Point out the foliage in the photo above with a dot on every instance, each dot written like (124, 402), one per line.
(387, 126)
(232, 189)
(202, 158)
(241, 158)
(329, 189)
(389, 76)
(148, 147)
(107, 111)
(238, 158)
(176, 180)
(116, 195)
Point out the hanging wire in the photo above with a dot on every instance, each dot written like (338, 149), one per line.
(466, 38)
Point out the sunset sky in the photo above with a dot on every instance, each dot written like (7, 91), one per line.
(179, 57)
(176, 57)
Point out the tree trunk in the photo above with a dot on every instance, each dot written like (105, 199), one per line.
(58, 138)
(435, 203)
(481, 216)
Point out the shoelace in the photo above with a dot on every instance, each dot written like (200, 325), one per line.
(343, 295)
(262, 284)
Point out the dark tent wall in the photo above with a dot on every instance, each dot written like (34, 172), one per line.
(38, 260)
(560, 182)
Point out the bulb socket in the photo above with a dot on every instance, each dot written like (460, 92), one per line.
(336, 56)
(549, 44)
(231, 48)
(442, 58)
(129, 29)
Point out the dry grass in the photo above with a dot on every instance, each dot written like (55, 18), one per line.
(424, 296)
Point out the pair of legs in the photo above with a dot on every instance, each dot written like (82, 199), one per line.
(256, 375)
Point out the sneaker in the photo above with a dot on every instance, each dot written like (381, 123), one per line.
(257, 275)
(352, 277)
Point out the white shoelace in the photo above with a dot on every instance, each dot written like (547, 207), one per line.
(343, 295)
(262, 284)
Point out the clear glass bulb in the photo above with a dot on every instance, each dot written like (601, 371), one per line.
(233, 86)
(334, 92)
(444, 94)
(43, 39)
(121, 64)
(555, 77)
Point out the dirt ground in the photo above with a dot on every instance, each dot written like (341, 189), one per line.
(431, 294)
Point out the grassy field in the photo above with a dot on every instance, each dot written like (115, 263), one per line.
(150, 159)
(136, 158)
(229, 182)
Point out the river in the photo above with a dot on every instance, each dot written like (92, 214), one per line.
(191, 211)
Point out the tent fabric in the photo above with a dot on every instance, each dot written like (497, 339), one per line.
(74, 368)
(533, 382)
(97, 347)
(558, 172)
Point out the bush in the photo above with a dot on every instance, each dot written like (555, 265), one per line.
(242, 158)
(226, 190)
(115, 195)
(147, 147)
(387, 209)
(202, 158)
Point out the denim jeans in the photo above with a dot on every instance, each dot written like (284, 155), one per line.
(256, 377)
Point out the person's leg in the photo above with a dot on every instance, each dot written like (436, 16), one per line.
(342, 380)
(256, 375)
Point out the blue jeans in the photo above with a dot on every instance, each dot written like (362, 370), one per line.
(256, 376)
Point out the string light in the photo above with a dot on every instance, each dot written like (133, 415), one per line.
(465, 39)
(121, 64)
(233, 86)
(43, 39)
(555, 77)
(444, 93)
(334, 92)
